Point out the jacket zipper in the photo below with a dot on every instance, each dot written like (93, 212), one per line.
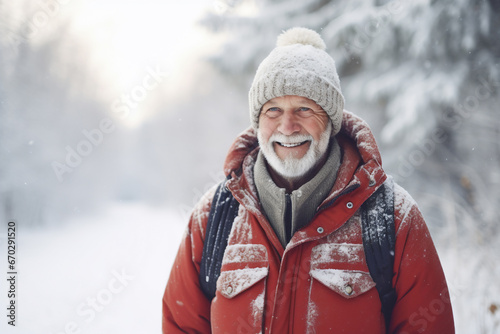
(288, 218)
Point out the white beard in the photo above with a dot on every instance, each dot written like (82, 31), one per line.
(291, 167)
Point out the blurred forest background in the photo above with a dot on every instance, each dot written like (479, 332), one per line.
(123, 102)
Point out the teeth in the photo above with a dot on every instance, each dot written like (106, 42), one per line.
(291, 144)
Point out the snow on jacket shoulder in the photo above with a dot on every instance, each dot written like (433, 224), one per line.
(320, 283)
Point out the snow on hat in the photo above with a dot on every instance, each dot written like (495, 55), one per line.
(299, 66)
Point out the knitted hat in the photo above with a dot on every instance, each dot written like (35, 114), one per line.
(299, 66)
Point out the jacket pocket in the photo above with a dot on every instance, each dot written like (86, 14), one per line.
(232, 283)
(341, 290)
(241, 290)
(342, 268)
(346, 283)
(242, 267)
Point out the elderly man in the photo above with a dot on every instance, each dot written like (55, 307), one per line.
(296, 258)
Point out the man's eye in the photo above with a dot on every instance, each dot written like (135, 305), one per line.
(305, 112)
(273, 112)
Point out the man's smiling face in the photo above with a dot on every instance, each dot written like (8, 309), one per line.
(293, 134)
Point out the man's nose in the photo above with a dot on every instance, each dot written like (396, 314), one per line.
(289, 123)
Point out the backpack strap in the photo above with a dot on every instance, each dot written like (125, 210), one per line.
(379, 238)
(223, 211)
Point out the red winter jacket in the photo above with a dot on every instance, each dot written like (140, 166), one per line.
(320, 283)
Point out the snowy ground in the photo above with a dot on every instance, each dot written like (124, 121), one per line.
(102, 275)
(107, 275)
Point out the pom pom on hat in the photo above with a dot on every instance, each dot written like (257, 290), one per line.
(298, 66)
(303, 36)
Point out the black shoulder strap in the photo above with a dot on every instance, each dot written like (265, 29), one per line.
(223, 211)
(379, 238)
